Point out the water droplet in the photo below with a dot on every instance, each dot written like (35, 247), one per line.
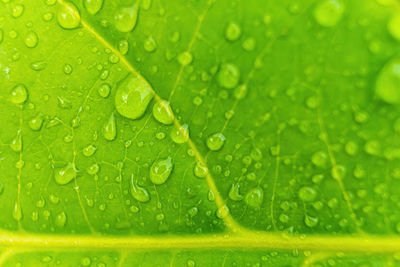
(17, 11)
(351, 148)
(338, 172)
(200, 170)
(1, 35)
(19, 94)
(31, 39)
(150, 44)
(89, 150)
(185, 58)
(1, 188)
(249, 44)
(61, 219)
(16, 142)
(17, 211)
(254, 197)
(110, 128)
(388, 82)
(86, 261)
(126, 17)
(328, 12)
(319, 159)
(93, 169)
(123, 46)
(38, 65)
(139, 193)
(36, 123)
(394, 26)
(232, 31)
(133, 96)
(307, 194)
(234, 193)
(372, 147)
(310, 221)
(68, 16)
(104, 90)
(180, 135)
(93, 6)
(228, 75)
(222, 212)
(66, 174)
(161, 170)
(215, 141)
(162, 112)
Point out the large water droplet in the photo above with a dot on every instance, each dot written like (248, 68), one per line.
(328, 13)
(68, 16)
(254, 197)
(126, 17)
(163, 113)
(215, 141)
(16, 142)
(31, 39)
(161, 170)
(139, 193)
(310, 221)
(200, 170)
(388, 82)
(133, 96)
(110, 128)
(233, 31)
(319, 159)
(228, 75)
(93, 6)
(180, 135)
(234, 193)
(66, 174)
(19, 94)
(89, 150)
(307, 194)
(36, 123)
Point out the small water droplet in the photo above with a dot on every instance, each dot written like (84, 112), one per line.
(104, 90)
(19, 94)
(150, 44)
(110, 128)
(307, 194)
(180, 135)
(36, 123)
(215, 141)
(126, 17)
(61, 219)
(17, 11)
(328, 12)
(66, 174)
(310, 221)
(68, 16)
(161, 170)
(133, 96)
(89, 150)
(254, 197)
(162, 112)
(31, 39)
(38, 65)
(93, 169)
(16, 142)
(228, 75)
(234, 193)
(388, 82)
(185, 58)
(232, 31)
(319, 159)
(17, 211)
(123, 46)
(138, 192)
(200, 170)
(93, 6)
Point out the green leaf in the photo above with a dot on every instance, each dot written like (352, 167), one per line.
(199, 133)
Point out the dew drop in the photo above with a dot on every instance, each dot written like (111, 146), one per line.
(66, 174)
(215, 141)
(16, 142)
(310, 221)
(93, 169)
(232, 31)
(351, 148)
(36, 123)
(200, 170)
(388, 82)
(110, 128)
(180, 135)
(150, 44)
(162, 112)
(89, 150)
(17, 212)
(228, 76)
(104, 90)
(328, 12)
(19, 94)
(394, 26)
(254, 197)
(61, 219)
(138, 192)
(123, 46)
(234, 193)
(307, 194)
(133, 96)
(319, 159)
(161, 170)
(17, 11)
(31, 39)
(126, 17)
(38, 65)
(68, 16)
(185, 58)
(222, 212)
(93, 6)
